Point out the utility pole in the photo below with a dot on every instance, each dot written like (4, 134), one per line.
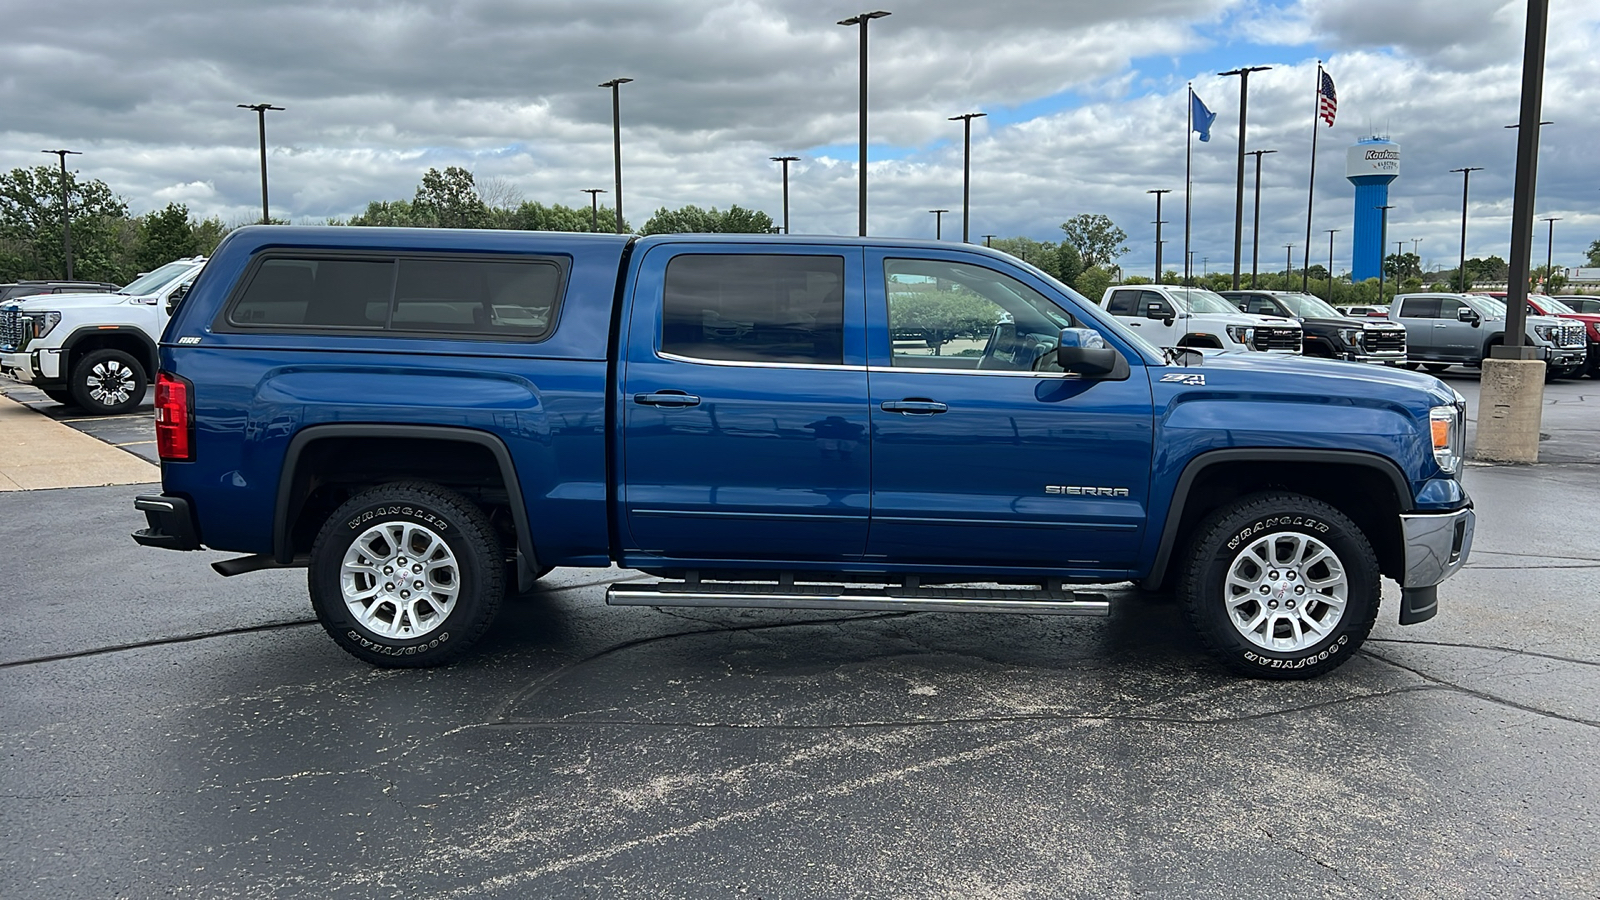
(938, 223)
(1238, 203)
(261, 128)
(1331, 233)
(1255, 227)
(66, 200)
(1549, 253)
(1288, 263)
(785, 160)
(861, 173)
(616, 137)
(966, 171)
(1158, 194)
(594, 207)
(1383, 238)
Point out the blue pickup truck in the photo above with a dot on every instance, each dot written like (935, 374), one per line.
(427, 419)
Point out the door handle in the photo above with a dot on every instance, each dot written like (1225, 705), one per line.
(1440, 324)
(672, 399)
(914, 407)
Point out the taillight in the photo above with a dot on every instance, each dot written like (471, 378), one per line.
(174, 418)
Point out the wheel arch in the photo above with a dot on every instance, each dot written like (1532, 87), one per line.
(127, 338)
(1379, 494)
(391, 451)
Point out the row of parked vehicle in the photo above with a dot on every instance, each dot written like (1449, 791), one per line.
(1429, 330)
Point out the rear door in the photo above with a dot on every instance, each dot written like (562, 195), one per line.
(1419, 315)
(744, 394)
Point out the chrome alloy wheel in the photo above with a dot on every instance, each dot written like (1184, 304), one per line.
(400, 580)
(110, 382)
(1286, 591)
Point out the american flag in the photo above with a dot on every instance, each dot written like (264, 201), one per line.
(1327, 100)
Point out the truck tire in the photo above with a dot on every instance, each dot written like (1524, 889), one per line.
(108, 383)
(1280, 586)
(451, 562)
(1435, 368)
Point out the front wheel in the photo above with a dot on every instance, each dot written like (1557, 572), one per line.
(1435, 368)
(108, 382)
(1280, 586)
(407, 575)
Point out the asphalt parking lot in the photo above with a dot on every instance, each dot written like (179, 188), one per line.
(169, 733)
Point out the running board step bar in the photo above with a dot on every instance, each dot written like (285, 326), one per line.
(1052, 602)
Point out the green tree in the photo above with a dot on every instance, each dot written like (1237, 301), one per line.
(694, 220)
(166, 235)
(1403, 267)
(30, 227)
(448, 199)
(385, 213)
(1594, 254)
(1492, 269)
(1069, 263)
(1037, 253)
(1092, 282)
(533, 216)
(1097, 239)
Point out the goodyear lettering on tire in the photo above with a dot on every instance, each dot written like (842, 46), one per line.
(1304, 662)
(386, 650)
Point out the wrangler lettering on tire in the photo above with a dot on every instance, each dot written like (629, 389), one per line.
(407, 574)
(1280, 585)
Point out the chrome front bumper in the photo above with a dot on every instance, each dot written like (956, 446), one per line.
(1436, 545)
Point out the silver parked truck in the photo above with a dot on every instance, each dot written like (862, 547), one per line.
(1444, 330)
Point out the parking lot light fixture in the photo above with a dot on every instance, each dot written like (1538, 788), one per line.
(938, 223)
(594, 207)
(966, 171)
(1159, 223)
(261, 129)
(861, 174)
(616, 137)
(1238, 203)
(785, 160)
(1466, 177)
(66, 200)
(1255, 227)
(1331, 233)
(1549, 252)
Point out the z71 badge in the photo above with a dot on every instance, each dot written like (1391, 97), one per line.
(1184, 378)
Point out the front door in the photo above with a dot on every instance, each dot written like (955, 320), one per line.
(983, 450)
(744, 406)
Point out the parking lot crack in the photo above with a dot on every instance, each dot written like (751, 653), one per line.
(1482, 695)
(158, 642)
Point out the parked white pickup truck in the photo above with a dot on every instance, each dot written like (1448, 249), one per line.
(95, 351)
(1171, 316)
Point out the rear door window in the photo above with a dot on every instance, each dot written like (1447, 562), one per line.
(1420, 308)
(754, 308)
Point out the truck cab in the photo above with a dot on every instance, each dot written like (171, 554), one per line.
(1329, 334)
(1171, 316)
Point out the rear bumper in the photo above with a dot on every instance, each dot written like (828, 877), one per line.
(171, 522)
(1436, 547)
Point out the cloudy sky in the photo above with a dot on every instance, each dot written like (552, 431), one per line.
(1085, 102)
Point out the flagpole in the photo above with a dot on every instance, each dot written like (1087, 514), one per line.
(1311, 183)
(1188, 184)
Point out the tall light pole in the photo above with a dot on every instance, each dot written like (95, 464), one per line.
(861, 173)
(66, 200)
(594, 207)
(1288, 263)
(1525, 188)
(616, 137)
(1158, 194)
(785, 160)
(938, 223)
(1549, 252)
(966, 171)
(1238, 203)
(1466, 177)
(1331, 233)
(988, 239)
(1255, 227)
(1383, 238)
(261, 128)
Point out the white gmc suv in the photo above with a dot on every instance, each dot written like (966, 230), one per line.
(95, 351)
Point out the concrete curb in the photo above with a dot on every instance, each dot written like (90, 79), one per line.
(37, 452)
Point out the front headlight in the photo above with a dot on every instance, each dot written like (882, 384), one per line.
(1242, 334)
(44, 322)
(1548, 332)
(1447, 425)
(1350, 335)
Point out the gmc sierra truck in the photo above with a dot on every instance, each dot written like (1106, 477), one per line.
(429, 419)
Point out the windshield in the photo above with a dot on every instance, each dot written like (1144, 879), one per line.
(1308, 307)
(155, 281)
(1497, 307)
(1195, 300)
(1553, 306)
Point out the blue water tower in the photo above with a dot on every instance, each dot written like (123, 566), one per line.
(1370, 165)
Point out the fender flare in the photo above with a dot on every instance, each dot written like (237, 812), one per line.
(284, 513)
(1196, 466)
(150, 358)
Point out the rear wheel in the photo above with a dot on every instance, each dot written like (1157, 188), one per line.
(1409, 365)
(407, 575)
(1280, 586)
(108, 382)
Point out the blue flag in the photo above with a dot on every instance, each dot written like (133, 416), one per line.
(1202, 117)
